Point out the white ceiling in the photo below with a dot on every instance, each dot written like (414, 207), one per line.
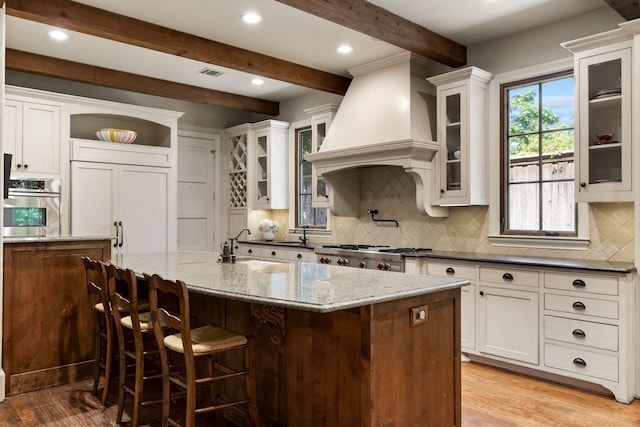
(284, 33)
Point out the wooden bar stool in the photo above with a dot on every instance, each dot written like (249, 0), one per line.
(141, 352)
(170, 311)
(104, 325)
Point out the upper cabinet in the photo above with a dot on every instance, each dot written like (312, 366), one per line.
(321, 118)
(258, 165)
(602, 67)
(31, 133)
(461, 177)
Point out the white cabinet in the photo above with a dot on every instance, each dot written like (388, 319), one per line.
(128, 202)
(588, 329)
(462, 158)
(321, 118)
(258, 166)
(270, 165)
(460, 270)
(31, 133)
(276, 253)
(602, 66)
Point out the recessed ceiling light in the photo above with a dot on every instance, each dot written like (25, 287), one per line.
(58, 35)
(345, 48)
(251, 18)
(257, 81)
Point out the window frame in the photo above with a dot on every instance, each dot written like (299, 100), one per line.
(296, 129)
(496, 239)
(504, 158)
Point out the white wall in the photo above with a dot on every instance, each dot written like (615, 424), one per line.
(540, 44)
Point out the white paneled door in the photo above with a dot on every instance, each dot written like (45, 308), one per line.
(196, 193)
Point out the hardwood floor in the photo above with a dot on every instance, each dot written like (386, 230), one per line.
(490, 397)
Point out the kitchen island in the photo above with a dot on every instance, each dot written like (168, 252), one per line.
(335, 346)
(47, 322)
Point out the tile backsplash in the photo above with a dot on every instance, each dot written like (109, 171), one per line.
(392, 192)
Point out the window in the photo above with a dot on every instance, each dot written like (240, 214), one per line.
(306, 214)
(537, 174)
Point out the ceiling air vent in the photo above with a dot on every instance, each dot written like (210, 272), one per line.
(210, 72)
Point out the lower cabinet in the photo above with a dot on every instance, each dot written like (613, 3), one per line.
(276, 253)
(565, 323)
(508, 323)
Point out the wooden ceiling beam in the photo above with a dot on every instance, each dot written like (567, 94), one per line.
(101, 23)
(367, 18)
(628, 9)
(54, 67)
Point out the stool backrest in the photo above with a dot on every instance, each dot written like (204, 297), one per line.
(169, 301)
(97, 284)
(123, 294)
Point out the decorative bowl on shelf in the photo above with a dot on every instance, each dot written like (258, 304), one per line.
(122, 136)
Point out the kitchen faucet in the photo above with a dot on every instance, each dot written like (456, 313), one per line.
(303, 240)
(232, 239)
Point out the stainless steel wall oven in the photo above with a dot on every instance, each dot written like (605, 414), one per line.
(32, 208)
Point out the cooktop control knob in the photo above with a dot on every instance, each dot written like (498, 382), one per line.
(385, 266)
(362, 264)
(343, 261)
(325, 260)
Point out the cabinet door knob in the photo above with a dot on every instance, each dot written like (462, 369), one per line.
(579, 362)
(249, 251)
(579, 283)
(450, 270)
(19, 165)
(25, 167)
(583, 184)
(273, 253)
(299, 256)
(579, 305)
(507, 276)
(578, 333)
(481, 293)
(441, 191)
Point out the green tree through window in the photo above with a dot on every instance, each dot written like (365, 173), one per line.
(538, 170)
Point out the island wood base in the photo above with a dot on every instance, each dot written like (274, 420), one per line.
(48, 325)
(361, 367)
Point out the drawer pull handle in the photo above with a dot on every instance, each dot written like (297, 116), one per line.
(579, 333)
(579, 305)
(579, 362)
(450, 270)
(507, 276)
(273, 253)
(579, 283)
(249, 251)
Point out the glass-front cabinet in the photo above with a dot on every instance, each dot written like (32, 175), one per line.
(321, 118)
(270, 165)
(603, 109)
(462, 105)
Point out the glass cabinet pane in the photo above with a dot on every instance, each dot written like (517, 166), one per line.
(262, 170)
(453, 136)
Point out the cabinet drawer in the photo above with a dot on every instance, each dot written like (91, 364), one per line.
(579, 305)
(569, 359)
(510, 276)
(301, 256)
(582, 283)
(581, 332)
(457, 271)
(274, 254)
(252, 251)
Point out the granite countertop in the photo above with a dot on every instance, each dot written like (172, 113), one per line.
(581, 264)
(44, 239)
(303, 286)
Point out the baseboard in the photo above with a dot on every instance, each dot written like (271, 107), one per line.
(44, 378)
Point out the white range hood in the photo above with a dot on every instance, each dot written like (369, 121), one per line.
(387, 118)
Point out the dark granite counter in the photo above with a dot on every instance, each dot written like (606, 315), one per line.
(580, 264)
